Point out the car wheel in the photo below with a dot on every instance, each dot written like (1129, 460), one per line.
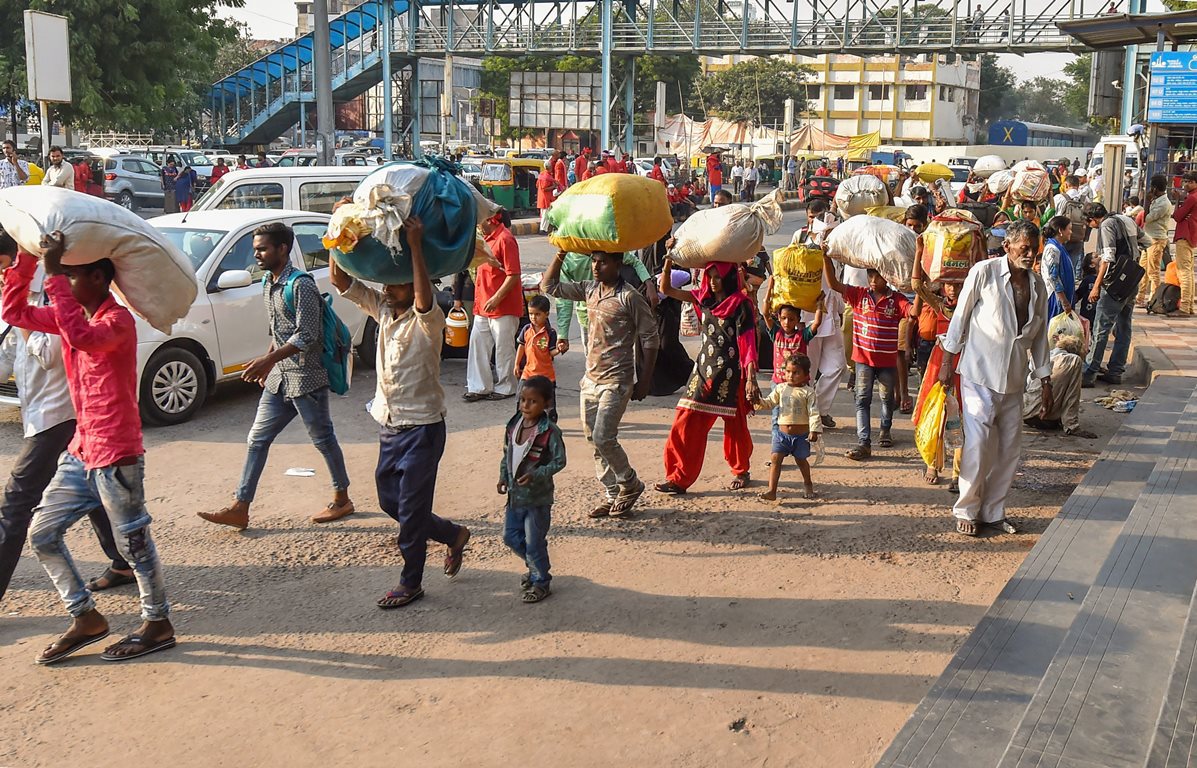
(367, 351)
(173, 387)
(126, 200)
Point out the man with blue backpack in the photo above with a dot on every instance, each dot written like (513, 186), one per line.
(308, 356)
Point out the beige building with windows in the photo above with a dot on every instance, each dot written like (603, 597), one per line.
(911, 100)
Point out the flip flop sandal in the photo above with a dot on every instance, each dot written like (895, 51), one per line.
(76, 644)
(966, 528)
(673, 489)
(397, 598)
(113, 580)
(602, 510)
(1004, 524)
(473, 397)
(954, 487)
(456, 555)
(146, 648)
(536, 594)
(625, 501)
(739, 482)
(885, 441)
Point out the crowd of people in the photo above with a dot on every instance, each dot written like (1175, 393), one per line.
(985, 340)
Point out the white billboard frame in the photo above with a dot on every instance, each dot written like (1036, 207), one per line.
(47, 57)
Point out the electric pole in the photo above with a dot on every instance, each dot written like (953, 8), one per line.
(322, 62)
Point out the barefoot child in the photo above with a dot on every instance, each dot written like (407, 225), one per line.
(537, 347)
(532, 453)
(797, 424)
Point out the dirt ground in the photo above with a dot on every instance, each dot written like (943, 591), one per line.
(711, 630)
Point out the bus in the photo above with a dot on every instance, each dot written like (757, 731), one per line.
(1018, 133)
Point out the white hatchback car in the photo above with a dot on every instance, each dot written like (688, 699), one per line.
(226, 327)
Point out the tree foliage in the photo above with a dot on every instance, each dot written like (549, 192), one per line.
(1055, 101)
(134, 65)
(755, 89)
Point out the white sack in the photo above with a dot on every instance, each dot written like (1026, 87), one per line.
(871, 242)
(988, 165)
(153, 278)
(733, 233)
(1028, 165)
(1000, 181)
(856, 194)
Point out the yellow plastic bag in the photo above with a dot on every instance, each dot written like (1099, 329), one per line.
(894, 213)
(928, 432)
(612, 212)
(797, 277)
(930, 172)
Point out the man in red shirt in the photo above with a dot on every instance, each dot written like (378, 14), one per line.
(580, 164)
(877, 312)
(714, 174)
(655, 172)
(823, 170)
(559, 172)
(498, 308)
(219, 170)
(1186, 237)
(546, 193)
(82, 174)
(104, 465)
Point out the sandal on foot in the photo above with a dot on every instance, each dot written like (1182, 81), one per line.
(397, 598)
(739, 482)
(602, 510)
(810, 494)
(536, 593)
(626, 500)
(907, 405)
(110, 579)
(931, 476)
(147, 647)
(525, 582)
(456, 553)
(671, 488)
(954, 486)
(860, 452)
(1003, 524)
(966, 527)
(885, 440)
(473, 397)
(72, 645)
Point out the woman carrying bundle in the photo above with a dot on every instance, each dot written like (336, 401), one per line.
(723, 384)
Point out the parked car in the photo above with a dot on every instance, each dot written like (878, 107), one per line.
(226, 327)
(131, 181)
(960, 174)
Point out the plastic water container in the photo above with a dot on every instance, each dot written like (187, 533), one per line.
(457, 328)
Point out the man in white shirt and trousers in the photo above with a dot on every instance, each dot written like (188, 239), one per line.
(826, 349)
(1000, 321)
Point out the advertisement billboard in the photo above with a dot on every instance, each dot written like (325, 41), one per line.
(556, 100)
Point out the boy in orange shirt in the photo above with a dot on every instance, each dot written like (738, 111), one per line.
(537, 347)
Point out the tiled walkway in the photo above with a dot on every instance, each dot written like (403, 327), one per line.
(1169, 345)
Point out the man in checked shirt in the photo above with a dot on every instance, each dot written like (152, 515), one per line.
(292, 377)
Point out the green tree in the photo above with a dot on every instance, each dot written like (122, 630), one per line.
(133, 64)
(1040, 101)
(999, 98)
(755, 89)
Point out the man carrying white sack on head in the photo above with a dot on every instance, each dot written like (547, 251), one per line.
(1000, 322)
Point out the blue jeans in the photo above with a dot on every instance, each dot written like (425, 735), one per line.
(406, 480)
(73, 493)
(526, 531)
(885, 379)
(1113, 316)
(275, 412)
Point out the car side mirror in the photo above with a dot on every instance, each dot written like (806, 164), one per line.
(234, 278)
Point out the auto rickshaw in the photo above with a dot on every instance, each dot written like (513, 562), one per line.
(511, 182)
(773, 170)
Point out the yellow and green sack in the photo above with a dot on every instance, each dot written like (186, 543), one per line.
(797, 277)
(892, 212)
(612, 212)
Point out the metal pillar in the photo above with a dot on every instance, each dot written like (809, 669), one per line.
(417, 117)
(629, 108)
(388, 96)
(303, 123)
(605, 116)
(322, 82)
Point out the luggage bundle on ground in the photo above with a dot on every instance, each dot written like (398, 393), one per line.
(870, 242)
(611, 212)
(856, 194)
(153, 277)
(368, 236)
(797, 276)
(952, 243)
(733, 233)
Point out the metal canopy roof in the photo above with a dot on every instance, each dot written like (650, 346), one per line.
(1123, 29)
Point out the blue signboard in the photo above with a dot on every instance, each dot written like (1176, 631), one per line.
(1173, 94)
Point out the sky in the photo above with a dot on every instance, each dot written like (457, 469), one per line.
(275, 19)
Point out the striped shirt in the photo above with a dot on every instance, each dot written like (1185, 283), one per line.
(875, 325)
(785, 345)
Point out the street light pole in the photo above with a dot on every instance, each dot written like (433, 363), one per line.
(322, 64)
(388, 96)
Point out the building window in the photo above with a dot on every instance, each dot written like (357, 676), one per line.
(946, 93)
(916, 92)
(878, 92)
(844, 92)
(813, 92)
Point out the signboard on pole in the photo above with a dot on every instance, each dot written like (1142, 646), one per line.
(1173, 89)
(659, 114)
(567, 100)
(47, 57)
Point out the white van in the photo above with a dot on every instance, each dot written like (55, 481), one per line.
(1132, 155)
(312, 188)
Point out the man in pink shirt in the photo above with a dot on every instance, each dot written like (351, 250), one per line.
(104, 465)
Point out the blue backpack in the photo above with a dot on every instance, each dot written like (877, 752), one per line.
(337, 344)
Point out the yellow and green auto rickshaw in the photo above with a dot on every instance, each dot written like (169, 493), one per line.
(511, 182)
(773, 169)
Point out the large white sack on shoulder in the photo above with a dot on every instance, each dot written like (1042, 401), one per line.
(871, 242)
(387, 196)
(856, 194)
(153, 278)
(733, 233)
(1028, 165)
(987, 165)
(999, 181)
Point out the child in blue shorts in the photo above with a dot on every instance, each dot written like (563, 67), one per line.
(798, 423)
